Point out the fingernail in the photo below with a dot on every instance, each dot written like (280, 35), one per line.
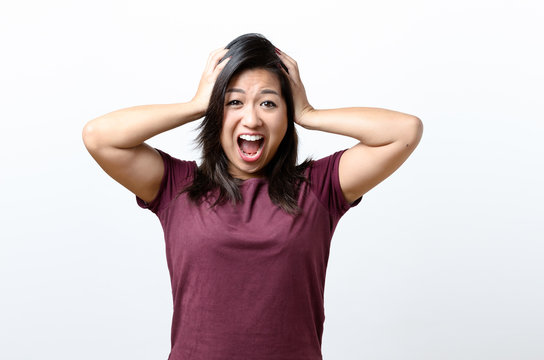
(278, 51)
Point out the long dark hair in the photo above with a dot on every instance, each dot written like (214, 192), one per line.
(249, 51)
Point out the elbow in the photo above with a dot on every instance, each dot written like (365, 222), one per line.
(414, 132)
(88, 135)
(418, 125)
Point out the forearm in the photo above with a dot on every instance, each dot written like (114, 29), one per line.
(371, 126)
(130, 127)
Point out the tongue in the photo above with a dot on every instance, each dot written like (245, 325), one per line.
(249, 147)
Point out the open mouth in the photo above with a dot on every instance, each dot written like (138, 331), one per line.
(250, 146)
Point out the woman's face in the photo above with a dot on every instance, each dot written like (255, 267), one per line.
(254, 122)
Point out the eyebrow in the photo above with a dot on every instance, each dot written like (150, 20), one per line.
(264, 91)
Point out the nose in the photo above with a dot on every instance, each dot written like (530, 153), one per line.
(251, 118)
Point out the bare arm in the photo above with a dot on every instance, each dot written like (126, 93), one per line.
(386, 140)
(130, 127)
(116, 140)
(386, 137)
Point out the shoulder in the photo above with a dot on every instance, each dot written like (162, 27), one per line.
(177, 168)
(177, 175)
(325, 166)
(323, 175)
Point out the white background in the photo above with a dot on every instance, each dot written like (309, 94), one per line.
(443, 260)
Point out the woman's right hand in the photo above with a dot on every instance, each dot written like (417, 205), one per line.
(207, 81)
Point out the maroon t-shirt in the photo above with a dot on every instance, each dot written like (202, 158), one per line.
(248, 279)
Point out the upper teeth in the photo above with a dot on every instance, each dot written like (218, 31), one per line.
(251, 137)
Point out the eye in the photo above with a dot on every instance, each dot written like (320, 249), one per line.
(234, 102)
(269, 104)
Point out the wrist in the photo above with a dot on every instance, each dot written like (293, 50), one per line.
(198, 108)
(307, 118)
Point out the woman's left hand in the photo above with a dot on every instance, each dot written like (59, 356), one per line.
(302, 106)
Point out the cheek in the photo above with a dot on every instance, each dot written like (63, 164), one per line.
(227, 143)
(281, 129)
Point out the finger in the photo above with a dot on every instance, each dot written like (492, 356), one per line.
(219, 56)
(289, 62)
(222, 55)
(286, 57)
(211, 55)
(283, 60)
(214, 58)
(283, 69)
(292, 69)
(220, 66)
(221, 52)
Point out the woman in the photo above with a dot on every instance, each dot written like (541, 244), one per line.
(248, 231)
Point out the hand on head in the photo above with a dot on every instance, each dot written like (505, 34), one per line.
(209, 76)
(302, 106)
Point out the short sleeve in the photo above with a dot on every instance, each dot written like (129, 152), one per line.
(177, 174)
(325, 183)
